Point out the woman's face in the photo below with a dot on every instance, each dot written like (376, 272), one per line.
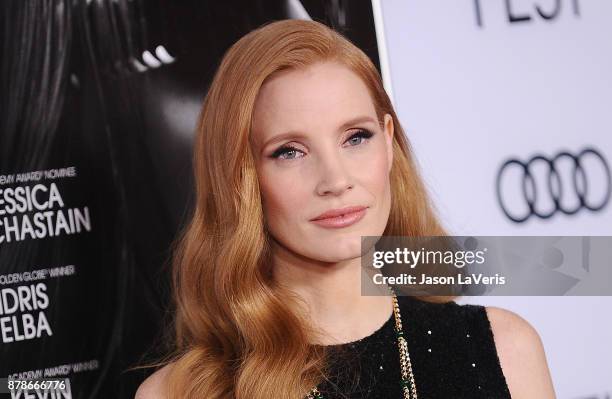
(318, 146)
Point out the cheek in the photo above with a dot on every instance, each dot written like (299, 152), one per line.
(377, 166)
(282, 197)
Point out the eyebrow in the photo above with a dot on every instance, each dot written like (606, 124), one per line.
(299, 135)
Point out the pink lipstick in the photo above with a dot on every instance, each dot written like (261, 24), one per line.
(336, 218)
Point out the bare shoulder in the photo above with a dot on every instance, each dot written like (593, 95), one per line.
(153, 387)
(521, 355)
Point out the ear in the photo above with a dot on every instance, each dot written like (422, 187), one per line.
(389, 131)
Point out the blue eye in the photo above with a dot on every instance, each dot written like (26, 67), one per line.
(362, 135)
(286, 149)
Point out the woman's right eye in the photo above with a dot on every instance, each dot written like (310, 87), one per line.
(286, 152)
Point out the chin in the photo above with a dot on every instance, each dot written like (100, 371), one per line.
(340, 249)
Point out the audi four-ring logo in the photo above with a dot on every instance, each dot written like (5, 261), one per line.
(565, 189)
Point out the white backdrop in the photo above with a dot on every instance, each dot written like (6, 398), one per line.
(478, 82)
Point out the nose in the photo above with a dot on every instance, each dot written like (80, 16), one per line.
(334, 177)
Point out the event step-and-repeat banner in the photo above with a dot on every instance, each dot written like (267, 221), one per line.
(507, 104)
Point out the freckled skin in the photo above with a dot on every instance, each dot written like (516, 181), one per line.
(325, 168)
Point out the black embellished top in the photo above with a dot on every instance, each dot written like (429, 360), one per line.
(451, 348)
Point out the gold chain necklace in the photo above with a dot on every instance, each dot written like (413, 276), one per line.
(407, 383)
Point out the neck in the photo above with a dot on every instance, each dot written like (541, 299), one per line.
(332, 294)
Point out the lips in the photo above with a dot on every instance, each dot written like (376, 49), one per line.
(337, 218)
(332, 213)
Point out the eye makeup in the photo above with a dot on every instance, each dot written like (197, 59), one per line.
(362, 134)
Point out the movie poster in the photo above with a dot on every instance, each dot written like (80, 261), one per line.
(98, 105)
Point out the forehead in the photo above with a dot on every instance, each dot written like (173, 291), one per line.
(322, 95)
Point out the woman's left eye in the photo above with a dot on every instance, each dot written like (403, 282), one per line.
(360, 137)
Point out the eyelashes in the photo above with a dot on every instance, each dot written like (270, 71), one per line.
(362, 134)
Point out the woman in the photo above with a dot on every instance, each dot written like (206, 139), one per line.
(296, 127)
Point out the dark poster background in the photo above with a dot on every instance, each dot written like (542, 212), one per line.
(101, 98)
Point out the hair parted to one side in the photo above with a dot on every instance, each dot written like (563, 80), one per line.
(236, 336)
